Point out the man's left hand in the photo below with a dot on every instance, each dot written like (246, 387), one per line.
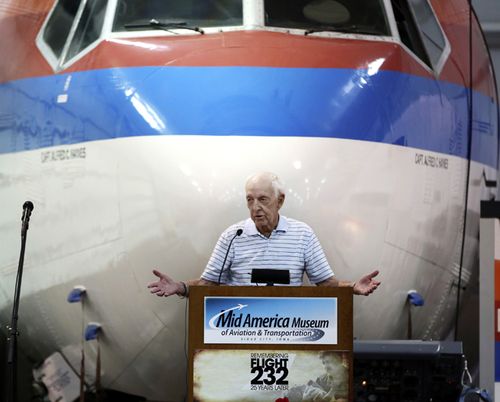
(366, 284)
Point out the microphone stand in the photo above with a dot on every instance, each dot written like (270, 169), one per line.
(12, 329)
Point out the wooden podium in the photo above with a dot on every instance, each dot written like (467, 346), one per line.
(265, 343)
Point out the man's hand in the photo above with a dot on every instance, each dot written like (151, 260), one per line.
(165, 286)
(366, 284)
(314, 393)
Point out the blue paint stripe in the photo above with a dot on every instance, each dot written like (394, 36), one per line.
(387, 107)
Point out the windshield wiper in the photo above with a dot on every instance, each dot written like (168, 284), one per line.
(345, 29)
(166, 26)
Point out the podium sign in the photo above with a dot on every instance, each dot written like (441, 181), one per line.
(270, 343)
(257, 320)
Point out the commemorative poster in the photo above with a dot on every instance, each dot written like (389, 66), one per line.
(270, 375)
(270, 320)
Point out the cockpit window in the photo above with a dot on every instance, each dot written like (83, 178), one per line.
(89, 27)
(348, 16)
(134, 14)
(432, 36)
(59, 25)
(72, 27)
(420, 31)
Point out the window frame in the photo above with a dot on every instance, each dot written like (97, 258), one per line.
(435, 70)
(253, 19)
(60, 63)
(98, 39)
(447, 48)
(138, 33)
(393, 32)
(46, 50)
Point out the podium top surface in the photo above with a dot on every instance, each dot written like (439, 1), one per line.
(271, 291)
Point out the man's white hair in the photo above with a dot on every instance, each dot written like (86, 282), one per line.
(276, 183)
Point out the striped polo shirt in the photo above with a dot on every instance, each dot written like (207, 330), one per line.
(292, 246)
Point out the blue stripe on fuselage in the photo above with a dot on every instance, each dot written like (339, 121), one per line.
(387, 107)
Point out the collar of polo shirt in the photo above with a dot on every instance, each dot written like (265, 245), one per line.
(251, 230)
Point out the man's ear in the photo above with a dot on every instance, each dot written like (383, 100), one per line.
(281, 200)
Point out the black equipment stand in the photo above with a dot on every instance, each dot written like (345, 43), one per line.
(12, 329)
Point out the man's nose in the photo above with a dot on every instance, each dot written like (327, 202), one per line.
(256, 205)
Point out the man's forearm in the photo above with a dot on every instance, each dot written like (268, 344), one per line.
(200, 282)
(183, 286)
(335, 283)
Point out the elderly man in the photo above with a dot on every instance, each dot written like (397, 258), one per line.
(265, 240)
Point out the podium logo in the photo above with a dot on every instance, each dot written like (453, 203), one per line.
(270, 320)
(228, 319)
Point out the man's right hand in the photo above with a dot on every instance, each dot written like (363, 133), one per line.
(165, 286)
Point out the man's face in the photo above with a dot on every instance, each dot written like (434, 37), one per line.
(331, 363)
(263, 205)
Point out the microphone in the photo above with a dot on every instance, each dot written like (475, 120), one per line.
(238, 232)
(27, 208)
